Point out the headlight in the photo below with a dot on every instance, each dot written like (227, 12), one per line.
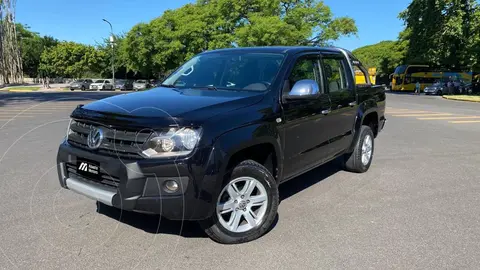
(172, 143)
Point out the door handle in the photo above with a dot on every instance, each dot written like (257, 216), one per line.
(325, 112)
(352, 104)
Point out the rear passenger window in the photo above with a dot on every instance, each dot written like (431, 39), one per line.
(335, 74)
(305, 68)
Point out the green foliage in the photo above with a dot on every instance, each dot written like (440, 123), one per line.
(442, 33)
(385, 56)
(32, 47)
(105, 53)
(156, 48)
(69, 59)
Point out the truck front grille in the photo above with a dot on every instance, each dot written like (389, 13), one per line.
(116, 142)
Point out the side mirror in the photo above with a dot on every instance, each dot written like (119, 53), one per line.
(304, 89)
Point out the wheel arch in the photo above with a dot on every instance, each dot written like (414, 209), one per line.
(367, 114)
(259, 142)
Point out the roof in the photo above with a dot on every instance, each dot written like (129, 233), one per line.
(277, 49)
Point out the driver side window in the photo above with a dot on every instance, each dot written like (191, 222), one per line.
(306, 68)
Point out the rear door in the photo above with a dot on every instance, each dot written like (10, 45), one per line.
(304, 125)
(340, 86)
(108, 84)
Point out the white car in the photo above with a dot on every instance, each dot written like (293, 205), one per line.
(102, 85)
(140, 85)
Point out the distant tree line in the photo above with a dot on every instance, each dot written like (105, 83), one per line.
(440, 33)
(153, 49)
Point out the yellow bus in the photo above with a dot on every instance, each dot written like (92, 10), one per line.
(360, 77)
(405, 77)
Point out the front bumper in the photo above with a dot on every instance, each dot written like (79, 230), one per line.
(430, 91)
(137, 185)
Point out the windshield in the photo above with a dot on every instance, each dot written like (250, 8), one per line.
(141, 81)
(120, 81)
(400, 70)
(236, 71)
(79, 81)
(99, 81)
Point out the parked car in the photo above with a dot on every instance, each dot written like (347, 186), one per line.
(155, 83)
(466, 88)
(435, 89)
(123, 85)
(82, 84)
(141, 85)
(101, 85)
(244, 121)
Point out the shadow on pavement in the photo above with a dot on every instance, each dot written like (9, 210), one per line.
(191, 229)
(154, 224)
(304, 181)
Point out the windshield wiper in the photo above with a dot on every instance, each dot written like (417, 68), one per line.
(210, 87)
(168, 85)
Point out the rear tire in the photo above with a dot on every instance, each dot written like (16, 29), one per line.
(244, 212)
(439, 92)
(83, 88)
(360, 159)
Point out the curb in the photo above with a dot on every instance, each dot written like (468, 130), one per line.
(460, 99)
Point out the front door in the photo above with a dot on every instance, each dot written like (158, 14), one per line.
(340, 87)
(304, 137)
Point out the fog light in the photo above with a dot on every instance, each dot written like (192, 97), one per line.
(170, 186)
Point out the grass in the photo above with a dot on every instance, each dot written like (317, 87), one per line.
(23, 88)
(463, 98)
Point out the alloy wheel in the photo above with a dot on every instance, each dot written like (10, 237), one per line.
(242, 205)
(367, 149)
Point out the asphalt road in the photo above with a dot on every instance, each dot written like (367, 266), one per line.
(417, 208)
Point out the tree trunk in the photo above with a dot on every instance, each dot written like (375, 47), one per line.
(11, 70)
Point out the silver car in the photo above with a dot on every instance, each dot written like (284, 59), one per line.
(140, 85)
(82, 84)
(102, 85)
(435, 89)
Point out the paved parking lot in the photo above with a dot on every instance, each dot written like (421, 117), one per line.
(417, 208)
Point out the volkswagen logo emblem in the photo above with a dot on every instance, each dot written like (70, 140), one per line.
(95, 138)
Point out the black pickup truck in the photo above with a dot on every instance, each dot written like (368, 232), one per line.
(215, 140)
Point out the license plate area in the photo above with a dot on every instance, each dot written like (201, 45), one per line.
(88, 168)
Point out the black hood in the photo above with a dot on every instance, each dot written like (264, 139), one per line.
(165, 106)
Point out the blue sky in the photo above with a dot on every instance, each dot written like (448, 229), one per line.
(81, 20)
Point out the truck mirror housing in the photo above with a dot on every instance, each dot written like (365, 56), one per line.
(304, 89)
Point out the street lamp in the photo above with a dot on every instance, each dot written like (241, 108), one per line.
(113, 52)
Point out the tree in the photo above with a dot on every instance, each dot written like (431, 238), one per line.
(105, 51)
(295, 23)
(10, 57)
(163, 44)
(442, 32)
(70, 59)
(385, 56)
(32, 47)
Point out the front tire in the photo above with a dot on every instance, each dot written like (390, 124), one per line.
(360, 159)
(246, 207)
